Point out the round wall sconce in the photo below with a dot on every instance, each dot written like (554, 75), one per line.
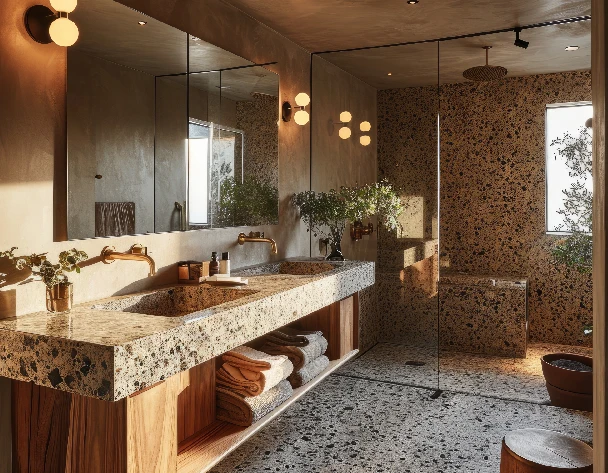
(344, 133)
(345, 117)
(301, 117)
(365, 140)
(45, 27)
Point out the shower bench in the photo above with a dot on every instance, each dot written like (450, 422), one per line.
(483, 314)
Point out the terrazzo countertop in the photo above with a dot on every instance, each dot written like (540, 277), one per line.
(110, 354)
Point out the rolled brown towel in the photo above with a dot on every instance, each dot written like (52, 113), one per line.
(245, 411)
(309, 372)
(299, 356)
(288, 336)
(242, 371)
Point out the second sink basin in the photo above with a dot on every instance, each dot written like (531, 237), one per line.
(175, 302)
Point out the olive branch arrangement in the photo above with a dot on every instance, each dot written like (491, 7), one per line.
(50, 274)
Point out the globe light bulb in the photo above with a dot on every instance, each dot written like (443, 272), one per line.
(344, 132)
(301, 117)
(365, 126)
(345, 117)
(365, 140)
(302, 99)
(63, 32)
(67, 6)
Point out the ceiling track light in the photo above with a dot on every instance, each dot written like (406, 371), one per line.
(44, 26)
(520, 43)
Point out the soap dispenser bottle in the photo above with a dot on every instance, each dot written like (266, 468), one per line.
(214, 266)
(225, 264)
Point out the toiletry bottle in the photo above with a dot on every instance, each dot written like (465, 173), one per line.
(225, 264)
(214, 266)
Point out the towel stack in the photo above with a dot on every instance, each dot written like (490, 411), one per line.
(250, 384)
(305, 350)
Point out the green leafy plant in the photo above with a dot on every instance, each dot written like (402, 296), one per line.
(249, 203)
(326, 213)
(575, 251)
(49, 273)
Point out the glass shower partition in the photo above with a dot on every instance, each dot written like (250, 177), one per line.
(396, 89)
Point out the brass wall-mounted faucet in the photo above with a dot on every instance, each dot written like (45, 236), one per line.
(257, 237)
(135, 253)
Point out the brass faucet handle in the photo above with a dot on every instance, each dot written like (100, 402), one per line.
(139, 249)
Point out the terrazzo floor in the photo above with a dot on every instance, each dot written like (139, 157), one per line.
(504, 378)
(369, 418)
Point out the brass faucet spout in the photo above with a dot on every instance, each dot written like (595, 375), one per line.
(136, 253)
(257, 237)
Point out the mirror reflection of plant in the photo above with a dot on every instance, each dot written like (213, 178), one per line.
(575, 251)
(250, 203)
(50, 274)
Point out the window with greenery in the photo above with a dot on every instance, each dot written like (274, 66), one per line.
(568, 168)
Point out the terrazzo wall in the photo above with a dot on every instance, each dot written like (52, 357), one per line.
(493, 194)
(492, 200)
(406, 275)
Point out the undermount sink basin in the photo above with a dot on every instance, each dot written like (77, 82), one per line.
(296, 268)
(175, 302)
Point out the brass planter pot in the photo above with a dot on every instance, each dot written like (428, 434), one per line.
(59, 298)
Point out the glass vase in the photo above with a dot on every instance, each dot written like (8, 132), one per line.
(59, 298)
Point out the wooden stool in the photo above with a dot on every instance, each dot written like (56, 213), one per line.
(537, 450)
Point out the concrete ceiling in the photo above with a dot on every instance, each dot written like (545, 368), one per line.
(417, 65)
(321, 25)
(110, 31)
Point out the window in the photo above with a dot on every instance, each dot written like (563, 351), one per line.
(565, 124)
(215, 153)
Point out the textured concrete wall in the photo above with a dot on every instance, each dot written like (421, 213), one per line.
(111, 132)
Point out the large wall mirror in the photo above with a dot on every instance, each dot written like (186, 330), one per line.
(165, 131)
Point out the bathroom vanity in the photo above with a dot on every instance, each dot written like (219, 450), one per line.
(127, 384)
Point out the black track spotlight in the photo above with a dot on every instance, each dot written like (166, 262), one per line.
(520, 43)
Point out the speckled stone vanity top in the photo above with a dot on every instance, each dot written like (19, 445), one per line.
(110, 354)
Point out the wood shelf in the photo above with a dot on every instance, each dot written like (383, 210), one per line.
(201, 452)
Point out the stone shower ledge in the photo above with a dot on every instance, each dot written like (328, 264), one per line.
(112, 354)
(486, 280)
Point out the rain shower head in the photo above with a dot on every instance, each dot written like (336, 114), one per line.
(485, 73)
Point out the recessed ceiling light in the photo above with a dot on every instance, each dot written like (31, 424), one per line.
(390, 73)
(142, 23)
(572, 48)
(412, 2)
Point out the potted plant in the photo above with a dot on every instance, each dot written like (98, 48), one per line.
(326, 213)
(59, 290)
(569, 377)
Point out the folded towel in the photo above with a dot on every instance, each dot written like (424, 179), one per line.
(299, 356)
(245, 411)
(309, 372)
(251, 372)
(288, 336)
